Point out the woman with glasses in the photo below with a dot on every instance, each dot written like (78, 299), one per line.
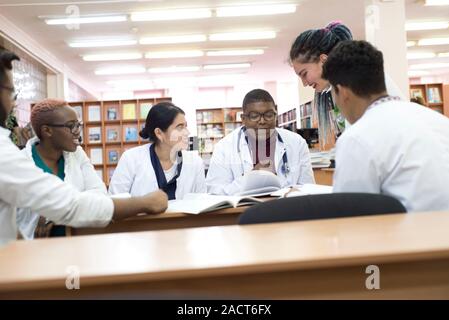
(23, 185)
(258, 145)
(163, 163)
(56, 150)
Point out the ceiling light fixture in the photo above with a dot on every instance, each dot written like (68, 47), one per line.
(178, 14)
(112, 56)
(173, 39)
(243, 52)
(226, 66)
(174, 54)
(83, 20)
(240, 11)
(242, 36)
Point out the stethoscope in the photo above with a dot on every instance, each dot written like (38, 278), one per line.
(285, 168)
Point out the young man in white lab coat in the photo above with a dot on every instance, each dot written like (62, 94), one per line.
(25, 185)
(393, 147)
(258, 145)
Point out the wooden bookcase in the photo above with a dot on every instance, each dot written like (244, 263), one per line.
(433, 94)
(111, 128)
(213, 125)
(288, 120)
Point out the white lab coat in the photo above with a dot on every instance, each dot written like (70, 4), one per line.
(25, 185)
(399, 149)
(79, 172)
(227, 167)
(135, 174)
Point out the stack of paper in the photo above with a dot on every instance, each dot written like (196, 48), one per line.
(321, 159)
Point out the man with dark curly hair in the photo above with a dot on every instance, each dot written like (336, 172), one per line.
(393, 147)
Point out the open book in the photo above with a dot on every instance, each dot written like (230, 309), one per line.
(196, 203)
(259, 183)
(302, 190)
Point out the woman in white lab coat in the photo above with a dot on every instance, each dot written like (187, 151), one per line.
(164, 163)
(56, 150)
(24, 185)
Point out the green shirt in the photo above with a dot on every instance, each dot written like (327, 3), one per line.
(56, 231)
(41, 164)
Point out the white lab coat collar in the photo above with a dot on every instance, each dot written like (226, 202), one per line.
(4, 132)
(68, 156)
(281, 148)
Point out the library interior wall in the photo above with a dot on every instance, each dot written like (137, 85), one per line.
(385, 28)
(30, 79)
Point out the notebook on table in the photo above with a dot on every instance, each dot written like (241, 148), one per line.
(196, 203)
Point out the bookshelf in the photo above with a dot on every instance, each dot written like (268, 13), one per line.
(111, 128)
(213, 125)
(433, 95)
(288, 120)
(305, 111)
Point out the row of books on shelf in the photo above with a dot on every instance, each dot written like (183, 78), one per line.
(232, 115)
(209, 116)
(210, 131)
(113, 134)
(112, 155)
(112, 112)
(229, 127)
(306, 109)
(287, 116)
(306, 122)
(207, 145)
(433, 95)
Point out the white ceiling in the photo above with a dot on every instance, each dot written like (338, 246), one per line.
(416, 11)
(271, 66)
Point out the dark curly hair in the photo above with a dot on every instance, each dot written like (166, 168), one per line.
(357, 65)
(310, 44)
(6, 59)
(257, 95)
(160, 116)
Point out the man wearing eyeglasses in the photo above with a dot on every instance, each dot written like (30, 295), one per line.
(258, 145)
(25, 185)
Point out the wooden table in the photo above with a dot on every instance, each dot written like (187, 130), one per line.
(165, 221)
(324, 176)
(295, 260)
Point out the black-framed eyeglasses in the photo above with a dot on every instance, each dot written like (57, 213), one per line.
(255, 116)
(14, 93)
(74, 127)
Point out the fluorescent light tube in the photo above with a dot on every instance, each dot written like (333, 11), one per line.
(102, 43)
(177, 14)
(243, 52)
(240, 11)
(82, 20)
(420, 55)
(429, 66)
(431, 25)
(112, 56)
(433, 41)
(243, 36)
(437, 3)
(120, 70)
(173, 54)
(173, 39)
(174, 69)
(226, 66)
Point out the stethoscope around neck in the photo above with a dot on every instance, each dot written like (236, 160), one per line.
(285, 168)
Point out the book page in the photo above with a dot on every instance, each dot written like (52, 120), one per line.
(302, 190)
